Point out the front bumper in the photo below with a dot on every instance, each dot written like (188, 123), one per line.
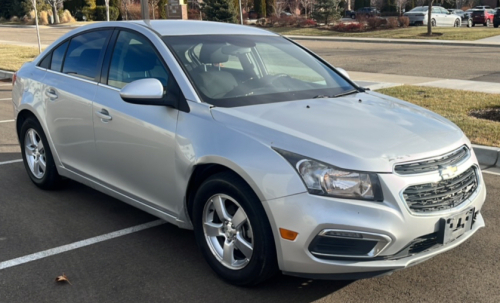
(309, 215)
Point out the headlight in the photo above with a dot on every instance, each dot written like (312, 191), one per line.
(327, 180)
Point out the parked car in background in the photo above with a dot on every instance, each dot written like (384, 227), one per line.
(496, 19)
(439, 17)
(468, 14)
(482, 16)
(457, 12)
(365, 11)
(482, 7)
(276, 159)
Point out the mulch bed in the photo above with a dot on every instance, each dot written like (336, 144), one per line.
(492, 114)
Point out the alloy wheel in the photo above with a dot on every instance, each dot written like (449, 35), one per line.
(228, 231)
(35, 153)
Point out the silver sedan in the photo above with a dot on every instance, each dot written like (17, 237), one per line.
(276, 159)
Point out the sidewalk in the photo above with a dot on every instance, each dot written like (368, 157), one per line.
(377, 81)
(487, 42)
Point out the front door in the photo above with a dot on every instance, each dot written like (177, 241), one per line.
(135, 143)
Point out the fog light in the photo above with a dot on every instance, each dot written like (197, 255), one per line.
(288, 234)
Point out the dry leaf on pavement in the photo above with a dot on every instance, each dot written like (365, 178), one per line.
(63, 278)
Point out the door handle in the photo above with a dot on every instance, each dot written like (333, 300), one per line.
(104, 115)
(51, 93)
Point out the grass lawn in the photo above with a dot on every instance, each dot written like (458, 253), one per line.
(455, 106)
(12, 56)
(412, 32)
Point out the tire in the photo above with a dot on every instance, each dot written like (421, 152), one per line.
(433, 22)
(469, 23)
(353, 16)
(487, 22)
(457, 23)
(473, 24)
(226, 195)
(495, 25)
(37, 156)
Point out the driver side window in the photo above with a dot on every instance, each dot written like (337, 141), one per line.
(134, 58)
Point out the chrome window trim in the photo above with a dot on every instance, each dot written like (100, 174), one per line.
(431, 158)
(440, 213)
(72, 77)
(383, 242)
(109, 87)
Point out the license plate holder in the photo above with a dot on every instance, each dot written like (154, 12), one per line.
(452, 227)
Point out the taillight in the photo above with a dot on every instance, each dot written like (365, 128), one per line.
(14, 77)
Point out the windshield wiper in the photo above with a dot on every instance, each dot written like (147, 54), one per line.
(346, 93)
(321, 96)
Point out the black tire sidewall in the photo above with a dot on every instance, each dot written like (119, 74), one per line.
(263, 262)
(51, 177)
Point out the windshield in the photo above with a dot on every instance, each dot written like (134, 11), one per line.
(230, 71)
(419, 9)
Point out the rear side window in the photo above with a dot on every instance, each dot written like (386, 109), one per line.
(57, 57)
(84, 54)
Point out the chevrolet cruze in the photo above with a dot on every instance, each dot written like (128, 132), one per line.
(276, 159)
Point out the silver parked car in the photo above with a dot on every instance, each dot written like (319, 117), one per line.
(440, 16)
(275, 158)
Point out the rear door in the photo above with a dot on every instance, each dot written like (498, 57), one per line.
(70, 86)
(135, 143)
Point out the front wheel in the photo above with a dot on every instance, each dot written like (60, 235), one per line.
(495, 25)
(433, 22)
(232, 230)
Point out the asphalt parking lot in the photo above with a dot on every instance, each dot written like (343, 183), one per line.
(163, 264)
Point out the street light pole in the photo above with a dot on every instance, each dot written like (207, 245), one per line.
(37, 30)
(145, 10)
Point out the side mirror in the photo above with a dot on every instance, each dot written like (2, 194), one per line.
(147, 91)
(343, 72)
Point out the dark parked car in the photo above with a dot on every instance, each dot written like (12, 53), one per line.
(482, 16)
(496, 19)
(458, 12)
(365, 11)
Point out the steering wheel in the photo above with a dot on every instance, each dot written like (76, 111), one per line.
(271, 79)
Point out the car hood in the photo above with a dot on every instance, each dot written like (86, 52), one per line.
(364, 131)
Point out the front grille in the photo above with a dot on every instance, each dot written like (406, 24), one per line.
(433, 164)
(442, 195)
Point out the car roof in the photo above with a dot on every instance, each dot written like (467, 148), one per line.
(196, 27)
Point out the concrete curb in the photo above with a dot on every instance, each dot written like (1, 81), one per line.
(396, 41)
(487, 156)
(6, 74)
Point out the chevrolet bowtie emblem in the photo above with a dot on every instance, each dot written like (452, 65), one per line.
(448, 172)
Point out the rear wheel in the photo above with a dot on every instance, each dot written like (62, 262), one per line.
(232, 230)
(457, 23)
(495, 25)
(487, 22)
(433, 22)
(37, 156)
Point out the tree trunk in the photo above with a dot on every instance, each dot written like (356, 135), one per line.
(429, 19)
(107, 10)
(54, 12)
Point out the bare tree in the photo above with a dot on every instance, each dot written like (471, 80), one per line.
(154, 4)
(306, 4)
(125, 4)
(401, 5)
(293, 5)
(279, 7)
(54, 4)
(378, 3)
(106, 2)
